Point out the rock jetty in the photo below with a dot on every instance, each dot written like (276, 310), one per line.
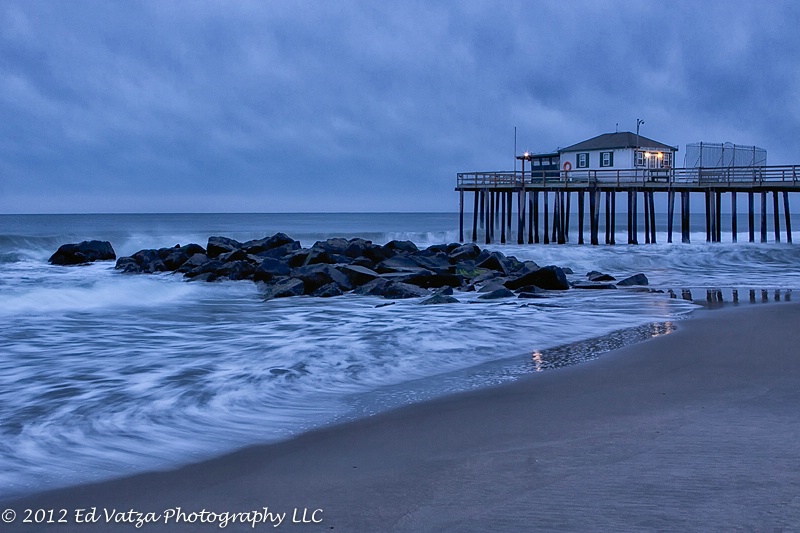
(399, 269)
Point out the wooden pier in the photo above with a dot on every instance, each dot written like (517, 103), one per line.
(494, 194)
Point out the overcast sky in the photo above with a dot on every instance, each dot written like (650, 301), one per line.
(270, 106)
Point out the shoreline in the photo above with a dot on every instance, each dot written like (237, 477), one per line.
(691, 430)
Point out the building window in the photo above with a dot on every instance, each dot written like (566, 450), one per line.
(606, 159)
(583, 160)
(666, 161)
(639, 158)
(537, 162)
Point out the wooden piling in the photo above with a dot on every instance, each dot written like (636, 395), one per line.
(580, 216)
(536, 217)
(566, 218)
(652, 201)
(764, 216)
(718, 214)
(635, 216)
(787, 216)
(630, 216)
(509, 203)
(751, 225)
(546, 237)
(608, 217)
(503, 219)
(475, 218)
(709, 218)
(521, 216)
(482, 207)
(670, 213)
(776, 217)
(460, 216)
(734, 221)
(487, 198)
(646, 217)
(613, 217)
(556, 207)
(530, 217)
(685, 218)
(497, 220)
(592, 212)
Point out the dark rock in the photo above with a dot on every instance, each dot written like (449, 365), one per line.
(328, 291)
(315, 276)
(236, 255)
(356, 248)
(358, 275)
(237, 270)
(364, 262)
(492, 286)
(469, 269)
(498, 262)
(405, 247)
(531, 289)
(404, 277)
(593, 285)
(636, 279)
(128, 265)
(207, 276)
(430, 280)
(175, 260)
(278, 240)
(446, 290)
(193, 262)
(530, 295)
(502, 292)
(83, 252)
(549, 277)
(269, 269)
(280, 251)
(376, 287)
(282, 289)
(567, 270)
(594, 275)
(376, 253)
(438, 262)
(398, 263)
(208, 266)
(297, 258)
(464, 253)
(221, 245)
(336, 246)
(398, 291)
(438, 299)
(318, 256)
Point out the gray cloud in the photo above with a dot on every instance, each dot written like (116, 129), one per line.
(340, 106)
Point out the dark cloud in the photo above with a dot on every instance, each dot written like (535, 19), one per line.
(368, 106)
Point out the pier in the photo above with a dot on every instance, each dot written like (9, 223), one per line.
(544, 200)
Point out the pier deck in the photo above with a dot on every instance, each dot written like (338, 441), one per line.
(494, 192)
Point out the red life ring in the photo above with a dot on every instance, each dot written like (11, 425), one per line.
(567, 166)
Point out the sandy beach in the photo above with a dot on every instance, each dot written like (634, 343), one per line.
(693, 431)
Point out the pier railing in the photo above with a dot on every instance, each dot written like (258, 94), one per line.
(731, 176)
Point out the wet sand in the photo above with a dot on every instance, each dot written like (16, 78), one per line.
(697, 430)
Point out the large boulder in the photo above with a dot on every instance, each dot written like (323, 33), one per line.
(315, 276)
(464, 253)
(636, 279)
(398, 263)
(438, 299)
(83, 252)
(282, 289)
(502, 292)
(399, 290)
(259, 246)
(358, 275)
(549, 277)
(221, 245)
(497, 262)
(404, 247)
(269, 269)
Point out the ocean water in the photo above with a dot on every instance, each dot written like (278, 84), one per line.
(104, 374)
